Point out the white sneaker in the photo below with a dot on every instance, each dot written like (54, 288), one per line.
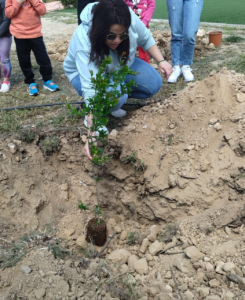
(175, 74)
(119, 113)
(186, 71)
(102, 128)
(5, 87)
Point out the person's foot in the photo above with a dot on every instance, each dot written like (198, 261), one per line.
(119, 113)
(32, 89)
(5, 87)
(49, 85)
(175, 74)
(187, 74)
(102, 128)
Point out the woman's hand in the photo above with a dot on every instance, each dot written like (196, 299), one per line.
(165, 68)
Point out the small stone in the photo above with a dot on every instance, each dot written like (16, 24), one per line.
(227, 267)
(206, 259)
(113, 134)
(219, 265)
(178, 264)
(217, 126)
(84, 138)
(193, 253)
(203, 291)
(229, 295)
(149, 257)
(141, 266)
(131, 260)
(26, 269)
(213, 121)
(153, 233)
(240, 97)
(120, 256)
(40, 293)
(214, 283)
(12, 148)
(155, 247)
(169, 288)
(209, 267)
(144, 245)
(205, 164)
(213, 297)
(227, 230)
(211, 46)
(189, 295)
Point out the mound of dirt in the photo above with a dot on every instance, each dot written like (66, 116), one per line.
(57, 50)
(185, 167)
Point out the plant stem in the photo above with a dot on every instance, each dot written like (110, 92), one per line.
(96, 184)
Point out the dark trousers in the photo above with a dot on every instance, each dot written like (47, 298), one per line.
(80, 6)
(24, 48)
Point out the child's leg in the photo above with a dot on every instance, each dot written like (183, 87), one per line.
(143, 54)
(5, 45)
(42, 58)
(23, 49)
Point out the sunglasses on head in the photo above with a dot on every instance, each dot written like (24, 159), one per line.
(122, 36)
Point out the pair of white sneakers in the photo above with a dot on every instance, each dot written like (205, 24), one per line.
(5, 87)
(185, 71)
(117, 114)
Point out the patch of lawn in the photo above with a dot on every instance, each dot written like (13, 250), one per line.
(233, 39)
(218, 11)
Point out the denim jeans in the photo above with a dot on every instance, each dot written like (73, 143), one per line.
(147, 79)
(184, 18)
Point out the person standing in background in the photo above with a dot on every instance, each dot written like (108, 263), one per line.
(184, 17)
(5, 46)
(144, 9)
(26, 28)
(80, 6)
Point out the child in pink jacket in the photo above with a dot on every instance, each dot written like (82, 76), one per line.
(144, 9)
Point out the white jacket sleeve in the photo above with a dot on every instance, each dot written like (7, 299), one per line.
(84, 68)
(145, 38)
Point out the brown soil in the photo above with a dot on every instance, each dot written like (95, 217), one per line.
(58, 48)
(191, 196)
(193, 146)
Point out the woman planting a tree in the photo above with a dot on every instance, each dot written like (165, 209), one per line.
(110, 28)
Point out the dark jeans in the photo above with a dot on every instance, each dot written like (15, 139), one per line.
(80, 6)
(23, 48)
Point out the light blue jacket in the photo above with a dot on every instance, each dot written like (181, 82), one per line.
(77, 58)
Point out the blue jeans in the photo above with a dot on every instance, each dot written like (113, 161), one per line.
(147, 79)
(184, 17)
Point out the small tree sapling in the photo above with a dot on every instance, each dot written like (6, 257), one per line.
(108, 87)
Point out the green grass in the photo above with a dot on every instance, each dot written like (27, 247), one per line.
(218, 11)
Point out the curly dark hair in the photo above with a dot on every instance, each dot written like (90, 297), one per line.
(105, 14)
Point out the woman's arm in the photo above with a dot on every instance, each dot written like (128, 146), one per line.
(163, 66)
